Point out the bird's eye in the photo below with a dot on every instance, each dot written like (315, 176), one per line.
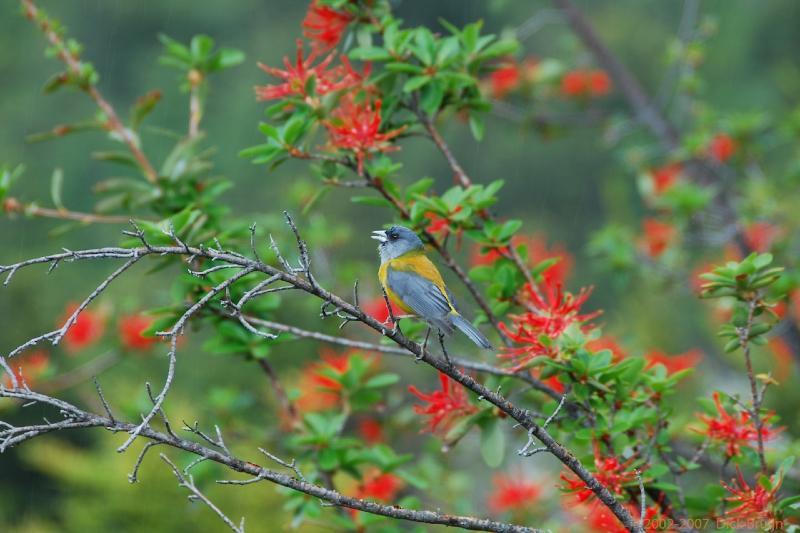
(393, 236)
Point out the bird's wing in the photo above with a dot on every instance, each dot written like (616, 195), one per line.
(418, 293)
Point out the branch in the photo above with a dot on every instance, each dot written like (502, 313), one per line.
(755, 411)
(75, 67)
(187, 482)
(308, 285)
(257, 473)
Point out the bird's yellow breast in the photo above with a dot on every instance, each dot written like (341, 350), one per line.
(418, 263)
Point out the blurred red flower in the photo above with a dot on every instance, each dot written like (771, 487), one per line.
(371, 430)
(784, 357)
(548, 316)
(319, 383)
(511, 493)
(504, 79)
(665, 177)
(753, 503)
(599, 82)
(581, 82)
(131, 329)
(722, 147)
(673, 363)
(734, 431)
(538, 251)
(440, 225)
(295, 77)
(356, 127)
(86, 330)
(759, 236)
(27, 368)
(599, 518)
(324, 26)
(444, 407)
(609, 471)
(608, 342)
(376, 308)
(658, 236)
(379, 486)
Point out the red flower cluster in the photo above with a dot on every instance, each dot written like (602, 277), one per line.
(370, 430)
(584, 83)
(759, 236)
(658, 236)
(28, 369)
(665, 177)
(324, 26)
(509, 75)
(609, 471)
(754, 503)
(512, 493)
(444, 407)
(86, 330)
(734, 431)
(600, 518)
(379, 486)
(440, 225)
(296, 76)
(356, 127)
(722, 147)
(674, 363)
(131, 332)
(319, 385)
(548, 316)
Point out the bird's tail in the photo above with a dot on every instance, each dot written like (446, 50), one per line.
(470, 331)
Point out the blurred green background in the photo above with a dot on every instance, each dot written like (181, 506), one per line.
(564, 187)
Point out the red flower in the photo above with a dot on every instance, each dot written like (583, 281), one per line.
(28, 369)
(609, 471)
(573, 83)
(376, 308)
(555, 383)
(600, 518)
(444, 407)
(371, 430)
(356, 127)
(296, 76)
(585, 83)
(538, 251)
(722, 147)
(85, 331)
(657, 236)
(673, 363)
(379, 486)
(320, 382)
(440, 225)
(665, 177)
(504, 79)
(754, 503)
(784, 357)
(511, 493)
(734, 431)
(607, 342)
(599, 83)
(759, 236)
(549, 317)
(131, 330)
(324, 26)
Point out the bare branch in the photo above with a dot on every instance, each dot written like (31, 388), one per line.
(188, 483)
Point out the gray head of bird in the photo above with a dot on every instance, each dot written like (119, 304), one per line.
(396, 241)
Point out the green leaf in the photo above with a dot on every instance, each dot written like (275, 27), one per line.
(370, 53)
(493, 443)
(382, 380)
(476, 126)
(56, 186)
(415, 82)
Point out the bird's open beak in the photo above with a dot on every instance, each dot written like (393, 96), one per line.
(379, 235)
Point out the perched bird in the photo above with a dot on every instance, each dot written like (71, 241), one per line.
(415, 285)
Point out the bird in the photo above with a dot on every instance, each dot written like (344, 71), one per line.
(413, 283)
